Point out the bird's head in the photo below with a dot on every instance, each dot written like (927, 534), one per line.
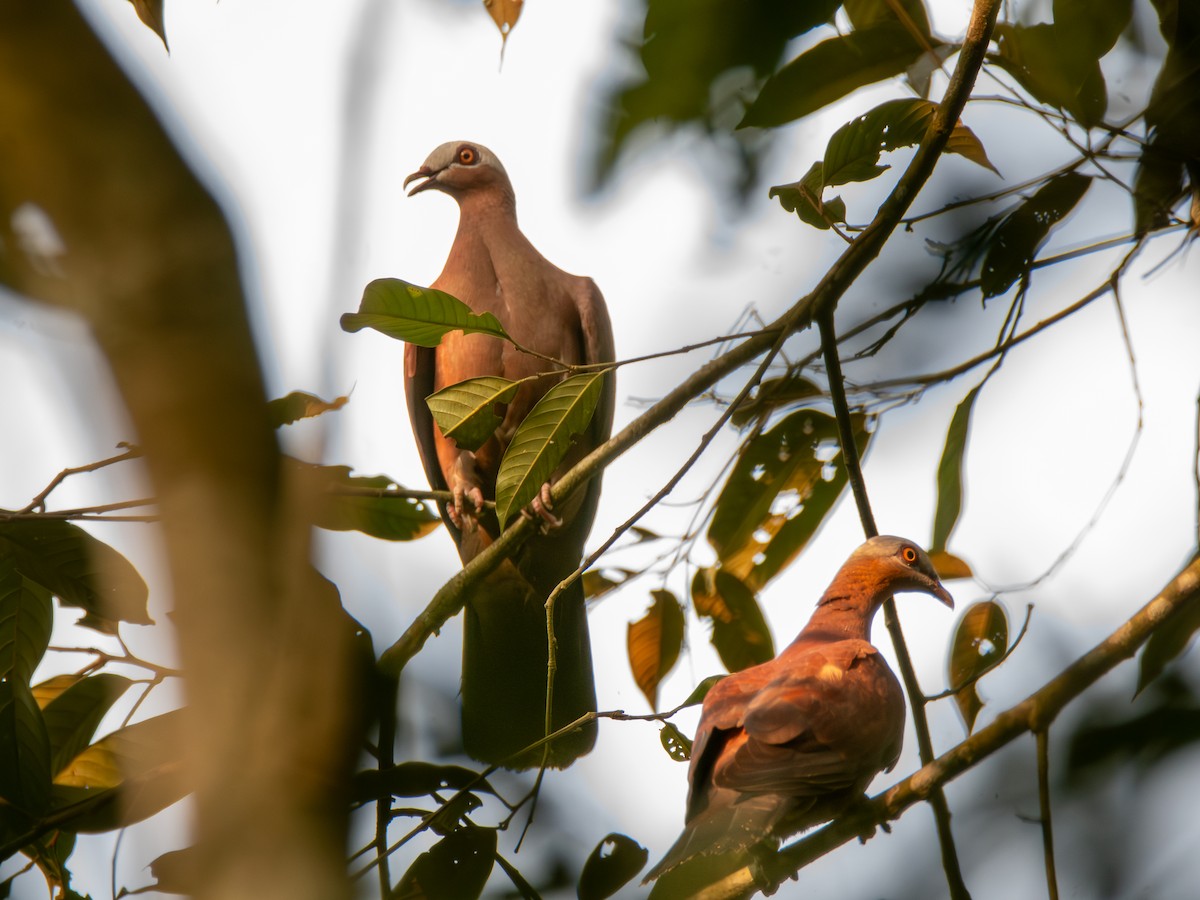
(900, 565)
(458, 167)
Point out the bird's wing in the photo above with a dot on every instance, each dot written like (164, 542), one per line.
(419, 369)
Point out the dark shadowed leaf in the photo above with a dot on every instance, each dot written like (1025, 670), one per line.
(1015, 243)
(543, 439)
(73, 716)
(831, 70)
(804, 198)
(343, 502)
(455, 868)
(417, 315)
(26, 618)
(24, 750)
(78, 569)
(416, 779)
(610, 866)
(911, 13)
(1054, 68)
(45, 691)
(949, 474)
(597, 583)
(468, 413)
(654, 642)
(176, 871)
(772, 394)
(784, 483)
(740, 633)
(678, 747)
(1169, 641)
(51, 853)
(979, 643)
(299, 405)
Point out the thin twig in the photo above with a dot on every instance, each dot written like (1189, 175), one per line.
(39, 502)
(1043, 767)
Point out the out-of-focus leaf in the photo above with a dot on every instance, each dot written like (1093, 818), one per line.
(416, 779)
(979, 643)
(505, 14)
(784, 483)
(151, 14)
(610, 866)
(51, 852)
(691, 48)
(740, 633)
(831, 70)
(1168, 641)
(700, 691)
(654, 642)
(299, 405)
(455, 868)
(26, 618)
(24, 750)
(73, 716)
(1015, 243)
(678, 747)
(78, 569)
(176, 871)
(804, 198)
(1157, 186)
(772, 394)
(45, 691)
(597, 583)
(948, 566)
(418, 315)
(387, 518)
(949, 474)
(910, 13)
(466, 412)
(543, 439)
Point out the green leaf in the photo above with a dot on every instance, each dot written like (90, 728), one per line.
(611, 865)
(853, 151)
(1055, 69)
(466, 412)
(740, 634)
(45, 691)
(678, 747)
(455, 868)
(804, 198)
(1016, 241)
(298, 405)
(949, 475)
(78, 569)
(1169, 641)
(1157, 186)
(831, 70)
(388, 518)
(543, 439)
(979, 644)
(783, 484)
(771, 395)
(73, 716)
(1092, 25)
(24, 750)
(700, 691)
(863, 13)
(418, 315)
(26, 618)
(654, 642)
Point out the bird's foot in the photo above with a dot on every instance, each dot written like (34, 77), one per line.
(465, 510)
(868, 831)
(541, 511)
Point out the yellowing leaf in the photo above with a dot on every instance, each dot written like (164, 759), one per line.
(949, 566)
(300, 405)
(740, 634)
(654, 642)
(505, 14)
(979, 644)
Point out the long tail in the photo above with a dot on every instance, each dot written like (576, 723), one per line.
(504, 673)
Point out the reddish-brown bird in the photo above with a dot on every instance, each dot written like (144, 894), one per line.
(492, 267)
(790, 743)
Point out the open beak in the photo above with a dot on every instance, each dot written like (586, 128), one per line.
(425, 172)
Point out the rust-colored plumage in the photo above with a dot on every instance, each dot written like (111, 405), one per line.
(790, 743)
(492, 267)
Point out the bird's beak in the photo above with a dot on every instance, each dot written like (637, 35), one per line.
(425, 172)
(941, 593)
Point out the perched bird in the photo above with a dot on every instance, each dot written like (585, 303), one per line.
(492, 267)
(792, 742)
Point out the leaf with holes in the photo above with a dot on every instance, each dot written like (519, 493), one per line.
(466, 412)
(1015, 243)
(78, 569)
(455, 868)
(783, 484)
(418, 315)
(654, 642)
(949, 474)
(610, 866)
(979, 644)
(740, 634)
(26, 619)
(678, 747)
(543, 439)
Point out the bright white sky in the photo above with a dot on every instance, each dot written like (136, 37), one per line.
(306, 116)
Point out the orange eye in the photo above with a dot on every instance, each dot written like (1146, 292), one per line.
(909, 555)
(467, 156)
